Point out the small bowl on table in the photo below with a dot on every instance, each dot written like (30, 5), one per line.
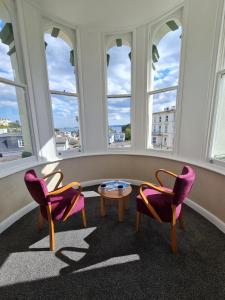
(103, 187)
(120, 189)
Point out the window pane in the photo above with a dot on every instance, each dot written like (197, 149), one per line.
(163, 120)
(219, 133)
(119, 125)
(8, 66)
(61, 72)
(119, 70)
(166, 71)
(15, 140)
(66, 122)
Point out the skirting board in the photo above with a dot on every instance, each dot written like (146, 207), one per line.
(206, 214)
(199, 209)
(16, 216)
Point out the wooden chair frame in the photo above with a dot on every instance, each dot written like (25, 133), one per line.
(57, 190)
(147, 202)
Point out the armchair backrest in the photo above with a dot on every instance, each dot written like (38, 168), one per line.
(36, 186)
(183, 185)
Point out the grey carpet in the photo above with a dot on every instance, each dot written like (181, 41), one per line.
(109, 261)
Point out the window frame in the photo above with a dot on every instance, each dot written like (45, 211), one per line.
(177, 15)
(108, 39)
(16, 165)
(218, 73)
(72, 35)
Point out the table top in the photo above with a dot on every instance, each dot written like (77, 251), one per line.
(114, 194)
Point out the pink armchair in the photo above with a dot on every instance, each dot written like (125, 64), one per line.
(57, 205)
(164, 204)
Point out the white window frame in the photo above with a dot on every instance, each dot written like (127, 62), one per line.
(72, 35)
(219, 75)
(176, 14)
(16, 165)
(108, 40)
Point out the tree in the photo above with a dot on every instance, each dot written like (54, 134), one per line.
(127, 130)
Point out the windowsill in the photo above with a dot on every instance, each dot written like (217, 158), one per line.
(120, 149)
(15, 166)
(31, 162)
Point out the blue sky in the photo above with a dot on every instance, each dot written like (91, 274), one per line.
(8, 102)
(62, 77)
(119, 82)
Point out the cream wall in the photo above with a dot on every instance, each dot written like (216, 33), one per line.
(200, 42)
(208, 190)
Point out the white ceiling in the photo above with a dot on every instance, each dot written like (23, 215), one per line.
(106, 14)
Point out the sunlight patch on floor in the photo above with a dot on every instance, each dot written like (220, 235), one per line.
(73, 238)
(111, 262)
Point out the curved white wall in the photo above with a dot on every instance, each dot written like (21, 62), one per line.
(14, 194)
(202, 21)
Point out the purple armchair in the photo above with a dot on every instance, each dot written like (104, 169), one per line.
(164, 204)
(56, 205)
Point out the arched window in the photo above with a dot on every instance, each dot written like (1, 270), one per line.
(15, 141)
(163, 76)
(217, 136)
(62, 75)
(119, 90)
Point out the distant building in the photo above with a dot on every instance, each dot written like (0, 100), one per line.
(119, 137)
(11, 142)
(3, 130)
(62, 143)
(116, 137)
(163, 128)
(111, 138)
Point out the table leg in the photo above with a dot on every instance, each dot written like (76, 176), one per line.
(102, 207)
(126, 203)
(121, 210)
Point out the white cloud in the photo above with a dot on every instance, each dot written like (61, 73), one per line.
(119, 71)
(6, 70)
(60, 71)
(167, 68)
(9, 104)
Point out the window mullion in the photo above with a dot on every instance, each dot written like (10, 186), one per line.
(171, 88)
(119, 96)
(14, 83)
(64, 93)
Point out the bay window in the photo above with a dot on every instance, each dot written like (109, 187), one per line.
(15, 139)
(119, 66)
(163, 80)
(63, 87)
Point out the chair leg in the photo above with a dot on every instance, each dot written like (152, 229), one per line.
(41, 221)
(173, 230)
(52, 236)
(138, 219)
(173, 238)
(84, 217)
(181, 221)
(51, 228)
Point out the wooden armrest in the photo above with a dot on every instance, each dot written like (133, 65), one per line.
(69, 209)
(147, 202)
(54, 173)
(64, 188)
(163, 171)
(157, 188)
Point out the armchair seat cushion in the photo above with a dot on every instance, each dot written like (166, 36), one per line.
(61, 202)
(160, 202)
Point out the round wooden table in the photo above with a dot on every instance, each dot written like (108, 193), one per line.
(115, 195)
